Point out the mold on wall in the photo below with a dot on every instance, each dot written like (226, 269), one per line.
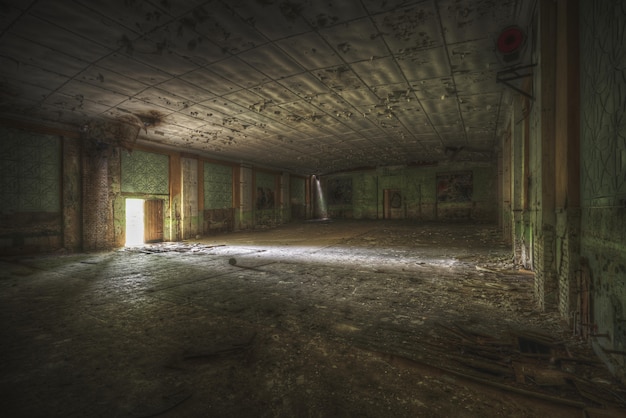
(245, 213)
(191, 218)
(361, 194)
(603, 164)
(218, 186)
(72, 195)
(31, 182)
(101, 181)
(266, 203)
(218, 197)
(297, 197)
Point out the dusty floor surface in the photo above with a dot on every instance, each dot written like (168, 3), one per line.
(316, 319)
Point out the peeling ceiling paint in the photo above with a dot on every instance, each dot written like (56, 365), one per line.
(302, 85)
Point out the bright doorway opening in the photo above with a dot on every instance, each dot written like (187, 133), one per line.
(134, 222)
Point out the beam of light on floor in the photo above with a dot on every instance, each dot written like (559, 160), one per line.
(134, 222)
(321, 209)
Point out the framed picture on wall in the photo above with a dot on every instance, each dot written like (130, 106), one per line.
(455, 187)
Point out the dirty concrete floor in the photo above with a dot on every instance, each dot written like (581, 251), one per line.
(313, 319)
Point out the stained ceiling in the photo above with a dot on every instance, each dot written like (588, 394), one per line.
(307, 86)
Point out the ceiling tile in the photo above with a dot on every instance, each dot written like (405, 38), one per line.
(411, 28)
(192, 92)
(185, 121)
(210, 81)
(58, 39)
(476, 55)
(134, 69)
(238, 72)
(81, 90)
(24, 51)
(202, 51)
(141, 107)
(75, 103)
(85, 22)
(464, 20)
(225, 106)
(111, 81)
(248, 100)
(139, 16)
(322, 14)
(378, 72)
(356, 40)
(160, 54)
(305, 85)
(225, 28)
(436, 88)
(208, 115)
(477, 83)
(30, 74)
(271, 61)
(424, 64)
(275, 93)
(273, 20)
(339, 78)
(164, 99)
(10, 12)
(11, 88)
(310, 50)
(359, 97)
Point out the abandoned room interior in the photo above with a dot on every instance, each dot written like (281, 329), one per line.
(302, 208)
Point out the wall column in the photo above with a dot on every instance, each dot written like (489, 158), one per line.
(546, 285)
(175, 213)
(567, 161)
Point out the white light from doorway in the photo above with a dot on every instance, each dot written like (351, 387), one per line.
(134, 222)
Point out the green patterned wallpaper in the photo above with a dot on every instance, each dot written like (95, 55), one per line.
(218, 186)
(297, 191)
(265, 185)
(145, 172)
(30, 172)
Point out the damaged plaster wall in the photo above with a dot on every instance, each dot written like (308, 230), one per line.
(297, 197)
(544, 156)
(267, 199)
(603, 164)
(245, 212)
(33, 179)
(541, 160)
(101, 186)
(402, 192)
(191, 218)
(64, 190)
(219, 212)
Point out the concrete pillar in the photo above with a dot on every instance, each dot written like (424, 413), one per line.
(546, 286)
(200, 197)
(567, 161)
(285, 198)
(245, 204)
(175, 213)
(190, 214)
(72, 194)
(517, 181)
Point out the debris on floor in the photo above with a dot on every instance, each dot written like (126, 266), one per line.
(341, 319)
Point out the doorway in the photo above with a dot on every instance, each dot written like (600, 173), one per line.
(134, 222)
(393, 206)
(144, 221)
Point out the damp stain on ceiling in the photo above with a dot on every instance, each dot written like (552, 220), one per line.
(305, 86)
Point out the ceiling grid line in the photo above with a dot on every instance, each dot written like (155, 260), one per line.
(301, 86)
